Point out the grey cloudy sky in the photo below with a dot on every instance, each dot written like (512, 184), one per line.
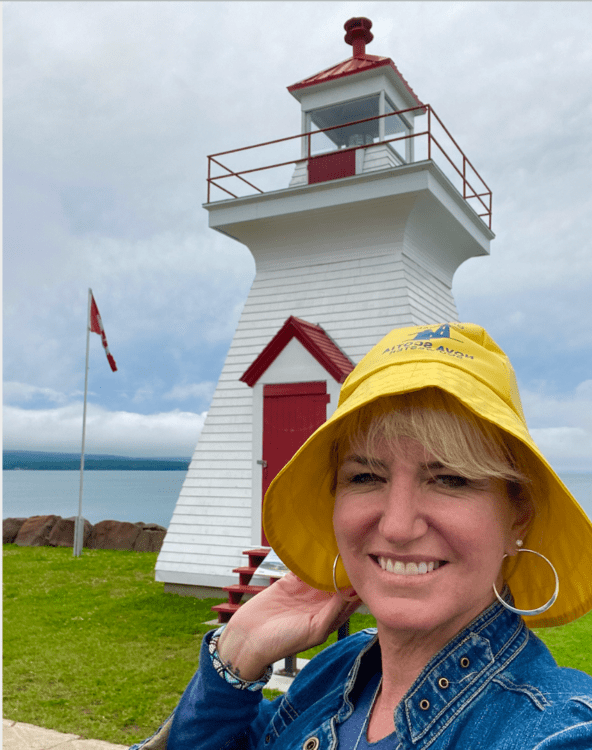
(110, 109)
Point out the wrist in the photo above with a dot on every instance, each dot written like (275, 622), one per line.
(236, 665)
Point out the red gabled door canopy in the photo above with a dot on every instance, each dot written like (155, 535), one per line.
(313, 338)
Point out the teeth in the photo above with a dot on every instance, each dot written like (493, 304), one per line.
(409, 569)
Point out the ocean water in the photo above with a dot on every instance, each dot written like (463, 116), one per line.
(148, 496)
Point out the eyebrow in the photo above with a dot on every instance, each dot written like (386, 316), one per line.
(365, 461)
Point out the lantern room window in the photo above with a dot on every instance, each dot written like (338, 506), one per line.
(341, 113)
(395, 126)
(361, 134)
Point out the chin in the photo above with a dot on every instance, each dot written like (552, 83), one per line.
(416, 615)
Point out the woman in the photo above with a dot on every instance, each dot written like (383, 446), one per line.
(425, 498)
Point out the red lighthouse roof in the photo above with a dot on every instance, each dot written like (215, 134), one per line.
(358, 35)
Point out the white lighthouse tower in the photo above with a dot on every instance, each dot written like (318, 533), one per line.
(363, 233)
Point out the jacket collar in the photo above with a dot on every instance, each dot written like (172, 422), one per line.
(456, 676)
(453, 678)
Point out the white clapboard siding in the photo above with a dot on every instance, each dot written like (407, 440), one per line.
(381, 156)
(300, 176)
(357, 297)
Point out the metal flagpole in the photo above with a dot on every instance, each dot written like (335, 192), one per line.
(79, 526)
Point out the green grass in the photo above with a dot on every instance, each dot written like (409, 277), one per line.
(571, 645)
(93, 646)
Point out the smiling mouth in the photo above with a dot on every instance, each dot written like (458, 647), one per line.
(408, 569)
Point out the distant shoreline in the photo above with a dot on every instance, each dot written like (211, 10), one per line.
(45, 460)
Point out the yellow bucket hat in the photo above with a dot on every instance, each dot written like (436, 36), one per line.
(463, 360)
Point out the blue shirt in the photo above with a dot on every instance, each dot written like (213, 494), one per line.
(352, 733)
(495, 686)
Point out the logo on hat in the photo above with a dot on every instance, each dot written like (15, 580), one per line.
(424, 339)
(442, 332)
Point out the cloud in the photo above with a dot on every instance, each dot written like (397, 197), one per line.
(201, 391)
(562, 425)
(18, 393)
(570, 447)
(174, 297)
(173, 433)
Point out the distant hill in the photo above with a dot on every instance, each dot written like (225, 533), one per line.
(42, 460)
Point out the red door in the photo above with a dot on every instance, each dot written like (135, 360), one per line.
(291, 413)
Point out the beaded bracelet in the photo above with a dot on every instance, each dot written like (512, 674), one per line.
(224, 672)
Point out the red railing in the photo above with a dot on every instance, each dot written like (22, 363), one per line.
(458, 168)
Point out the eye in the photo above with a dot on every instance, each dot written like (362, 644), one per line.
(365, 478)
(451, 481)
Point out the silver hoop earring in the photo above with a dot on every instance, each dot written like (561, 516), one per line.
(539, 610)
(337, 591)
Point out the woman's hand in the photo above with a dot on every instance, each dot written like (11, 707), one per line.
(287, 617)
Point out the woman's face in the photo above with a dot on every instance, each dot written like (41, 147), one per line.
(422, 545)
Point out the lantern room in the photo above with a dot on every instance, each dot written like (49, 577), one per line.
(356, 104)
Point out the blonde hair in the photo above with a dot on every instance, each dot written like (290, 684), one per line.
(454, 435)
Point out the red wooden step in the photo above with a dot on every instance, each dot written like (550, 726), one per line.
(236, 592)
(225, 611)
(238, 588)
(259, 551)
(256, 556)
(246, 573)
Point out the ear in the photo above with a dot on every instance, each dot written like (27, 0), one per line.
(523, 516)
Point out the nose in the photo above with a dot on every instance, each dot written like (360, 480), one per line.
(403, 519)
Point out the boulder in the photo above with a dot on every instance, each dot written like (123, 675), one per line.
(150, 538)
(114, 535)
(35, 531)
(10, 528)
(55, 531)
(62, 534)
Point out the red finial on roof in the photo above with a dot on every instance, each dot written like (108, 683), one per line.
(358, 34)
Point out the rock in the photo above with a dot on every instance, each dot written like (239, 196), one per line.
(35, 531)
(114, 535)
(154, 527)
(150, 538)
(10, 528)
(55, 531)
(62, 534)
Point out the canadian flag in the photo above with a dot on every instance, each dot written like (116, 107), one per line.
(96, 326)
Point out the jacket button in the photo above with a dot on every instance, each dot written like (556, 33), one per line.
(464, 662)
(312, 743)
(267, 739)
(443, 683)
(424, 704)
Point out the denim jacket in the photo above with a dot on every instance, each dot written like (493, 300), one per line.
(495, 686)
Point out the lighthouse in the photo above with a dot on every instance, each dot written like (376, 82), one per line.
(357, 224)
